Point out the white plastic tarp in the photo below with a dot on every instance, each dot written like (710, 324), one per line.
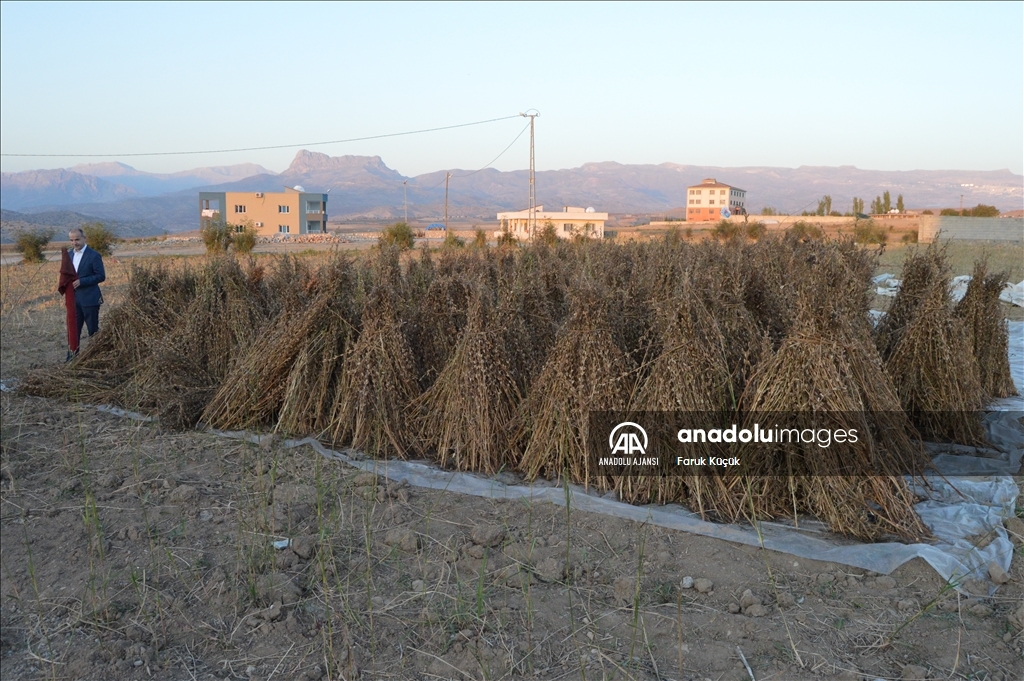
(889, 285)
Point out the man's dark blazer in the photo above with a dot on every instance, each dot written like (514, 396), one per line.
(90, 274)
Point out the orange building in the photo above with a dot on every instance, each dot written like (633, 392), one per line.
(707, 200)
(293, 211)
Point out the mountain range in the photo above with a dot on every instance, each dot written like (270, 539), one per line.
(364, 187)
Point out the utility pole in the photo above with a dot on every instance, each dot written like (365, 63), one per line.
(447, 175)
(961, 205)
(532, 220)
(405, 197)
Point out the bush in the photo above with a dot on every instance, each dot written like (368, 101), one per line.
(480, 238)
(726, 230)
(805, 230)
(909, 238)
(31, 244)
(216, 236)
(399, 234)
(245, 240)
(927, 212)
(949, 211)
(755, 230)
(507, 239)
(452, 241)
(548, 235)
(868, 232)
(99, 237)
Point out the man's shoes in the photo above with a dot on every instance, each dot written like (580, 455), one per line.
(71, 356)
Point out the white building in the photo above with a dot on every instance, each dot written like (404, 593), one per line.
(707, 200)
(568, 222)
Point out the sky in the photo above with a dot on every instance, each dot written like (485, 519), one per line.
(879, 86)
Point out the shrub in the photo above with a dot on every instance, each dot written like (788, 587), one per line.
(909, 238)
(216, 237)
(507, 239)
(726, 230)
(99, 237)
(927, 212)
(399, 234)
(755, 230)
(452, 241)
(548, 235)
(805, 230)
(245, 240)
(480, 238)
(868, 232)
(31, 244)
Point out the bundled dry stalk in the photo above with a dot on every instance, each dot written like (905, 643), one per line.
(987, 331)
(928, 355)
(585, 371)
(467, 417)
(838, 380)
(377, 383)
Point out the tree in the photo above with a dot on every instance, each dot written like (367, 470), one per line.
(216, 237)
(858, 205)
(768, 210)
(899, 203)
(99, 237)
(876, 206)
(244, 240)
(983, 211)
(886, 202)
(31, 244)
(399, 234)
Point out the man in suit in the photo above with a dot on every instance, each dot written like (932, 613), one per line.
(89, 266)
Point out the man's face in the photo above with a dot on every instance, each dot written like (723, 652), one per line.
(77, 240)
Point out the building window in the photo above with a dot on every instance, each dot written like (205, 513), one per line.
(691, 200)
(284, 229)
(313, 207)
(239, 209)
(284, 209)
(566, 227)
(712, 202)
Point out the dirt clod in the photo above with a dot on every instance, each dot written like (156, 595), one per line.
(997, 574)
(488, 535)
(913, 672)
(703, 585)
(183, 494)
(404, 539)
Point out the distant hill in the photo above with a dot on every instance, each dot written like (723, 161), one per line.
(154, 184)
(63, 220)
(56, 188)
(364, 187)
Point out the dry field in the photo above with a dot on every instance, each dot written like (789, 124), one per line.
(132, 551)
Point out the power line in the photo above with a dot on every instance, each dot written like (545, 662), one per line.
(493, 160)
(276, 146)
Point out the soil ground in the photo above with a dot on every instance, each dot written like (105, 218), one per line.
(133, 552)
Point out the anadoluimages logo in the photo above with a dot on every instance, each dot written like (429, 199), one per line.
(628, 440)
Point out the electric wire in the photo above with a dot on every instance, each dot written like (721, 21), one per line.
(493, 161)
(265, 148)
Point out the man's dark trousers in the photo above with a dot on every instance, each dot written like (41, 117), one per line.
(87, 316)
(87, 296)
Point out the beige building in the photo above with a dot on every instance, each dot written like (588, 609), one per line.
(293, 211)
(705, 201)
(569, 222)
